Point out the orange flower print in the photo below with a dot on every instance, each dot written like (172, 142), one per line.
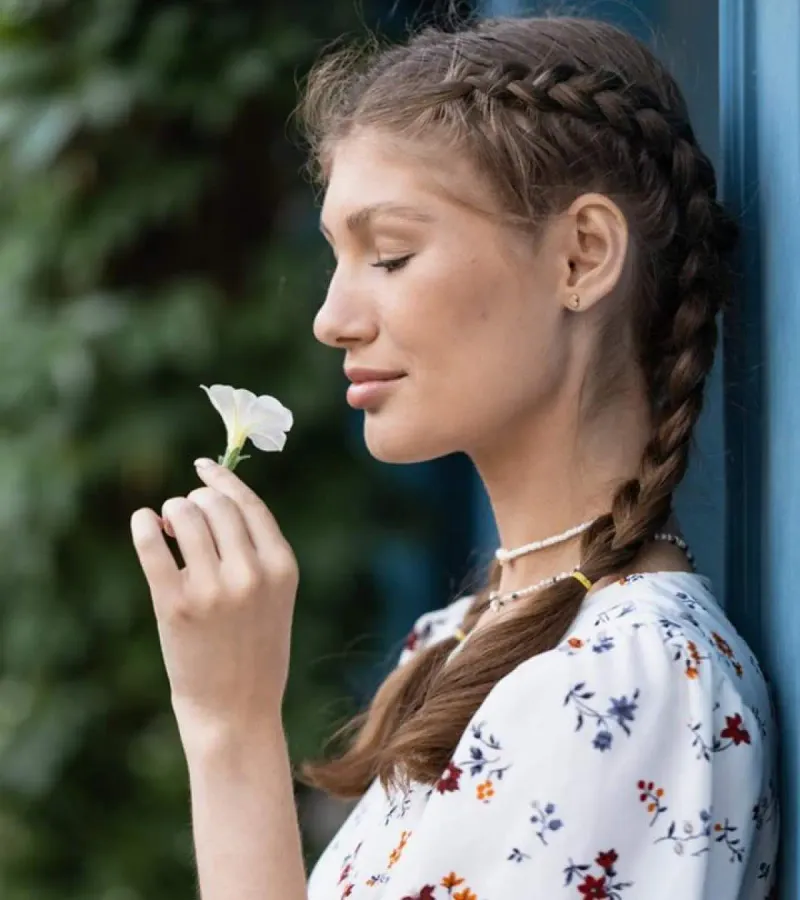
(485, 791)
(722, 645)
(737, 667)
(452, 880)
(395, 855)
(692, 670)
(575, 643)
(651, 795)
(466, 894)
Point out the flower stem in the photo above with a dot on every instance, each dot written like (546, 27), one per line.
(233, 456)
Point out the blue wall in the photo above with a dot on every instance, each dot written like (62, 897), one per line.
(760, 67)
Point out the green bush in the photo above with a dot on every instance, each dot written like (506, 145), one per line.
(154, 235)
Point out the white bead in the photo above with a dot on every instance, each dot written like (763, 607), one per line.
(497, 600)
(503, 556)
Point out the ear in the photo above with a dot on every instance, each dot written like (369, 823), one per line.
(595, 250)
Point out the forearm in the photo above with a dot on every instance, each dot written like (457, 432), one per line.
(247, 839)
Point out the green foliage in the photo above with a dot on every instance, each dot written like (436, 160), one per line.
(154, 235)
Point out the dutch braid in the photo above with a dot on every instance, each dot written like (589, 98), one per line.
(658, 158)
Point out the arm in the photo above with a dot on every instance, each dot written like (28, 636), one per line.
(246, 834)
(224, 622)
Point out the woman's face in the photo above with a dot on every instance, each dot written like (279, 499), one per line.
(468, 311)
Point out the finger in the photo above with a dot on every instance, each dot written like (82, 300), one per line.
(194, 539)
(262, 525)
(226, 523)
(157, 562)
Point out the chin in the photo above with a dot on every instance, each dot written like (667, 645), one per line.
(400, 443)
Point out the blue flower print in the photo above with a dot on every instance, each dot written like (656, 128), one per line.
(619, 611)
(726, 834)
(764, 810)
(543, 819)
(545, 822)
(603, 644)
(623, 710)
(602, 740)
(479, 760)
(691, 837)
(620, 710)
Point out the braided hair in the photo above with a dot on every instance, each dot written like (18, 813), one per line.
(547, 109)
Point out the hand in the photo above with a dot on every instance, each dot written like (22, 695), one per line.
(224, 619)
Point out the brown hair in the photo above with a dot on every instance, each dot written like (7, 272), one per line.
(547, 109)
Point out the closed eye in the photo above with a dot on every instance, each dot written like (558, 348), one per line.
(392, 265)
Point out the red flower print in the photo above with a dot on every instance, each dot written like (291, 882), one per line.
(345, 873)
(411, 640)
(606, 884)
(594, 888)
(649, 792)
(734, 730)
(722, 645)
(347, 891)
(737, 667)
(425, 894)
(452, 880)
(448, 783)
(606, 860)
(691, 672)
(575, 643)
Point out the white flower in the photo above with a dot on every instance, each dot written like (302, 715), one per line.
(264, 420)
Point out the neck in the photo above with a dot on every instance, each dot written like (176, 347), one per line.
(548, 475)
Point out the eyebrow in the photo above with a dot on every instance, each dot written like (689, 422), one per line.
(361, 218)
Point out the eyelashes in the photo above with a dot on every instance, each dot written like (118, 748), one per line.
(392, 265)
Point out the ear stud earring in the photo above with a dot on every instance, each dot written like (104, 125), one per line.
(574, 301)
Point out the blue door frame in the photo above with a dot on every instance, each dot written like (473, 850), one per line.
(760, 124)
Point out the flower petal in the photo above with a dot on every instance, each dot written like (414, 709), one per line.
(223, 398)
(268, 440)
(245, 401)
(263, 419)
(268, 410)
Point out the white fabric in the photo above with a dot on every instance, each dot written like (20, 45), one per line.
(634, 761)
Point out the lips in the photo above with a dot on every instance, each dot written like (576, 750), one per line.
(360, 375)
(365, 394)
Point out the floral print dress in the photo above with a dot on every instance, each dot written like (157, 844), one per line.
(635, 761)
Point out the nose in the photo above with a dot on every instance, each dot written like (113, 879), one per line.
(344, 319)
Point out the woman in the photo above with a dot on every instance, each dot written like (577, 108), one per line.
(530, 264)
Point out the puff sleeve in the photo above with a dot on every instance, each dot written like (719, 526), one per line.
(620, 765)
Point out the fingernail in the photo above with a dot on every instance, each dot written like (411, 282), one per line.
(203, 463)
(165, 524)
